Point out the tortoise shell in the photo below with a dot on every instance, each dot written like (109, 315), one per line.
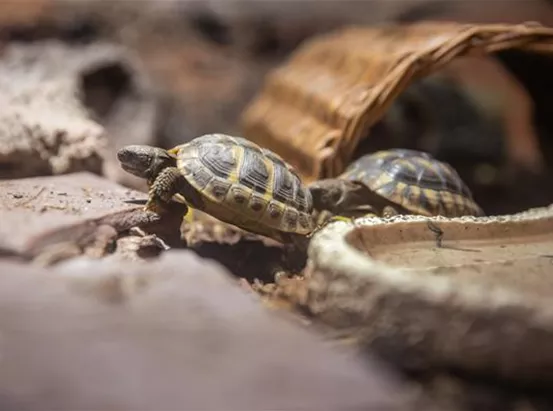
(240, 183)
(416, 181)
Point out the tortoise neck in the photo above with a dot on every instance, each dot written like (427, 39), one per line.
(160, 163)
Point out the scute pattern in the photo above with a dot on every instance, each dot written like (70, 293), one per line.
(218, 159)
(283, 187)
(416, 181)
(244, 184)
(254, 172)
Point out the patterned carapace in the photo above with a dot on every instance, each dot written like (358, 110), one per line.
(243, 184)
(415, 181)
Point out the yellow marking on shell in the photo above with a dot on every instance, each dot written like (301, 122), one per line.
(464, 204)
(412, 201)
(239, 155)
(412, 167)
(237, 143)
(398, 196)
(427, 164)
(359, 175)
(183, 152)
(414, 194)
(433, 197)
(461, 204)
(449, 202)
(380, 155)
(382, 180)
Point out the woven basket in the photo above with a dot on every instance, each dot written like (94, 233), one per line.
(315, 108)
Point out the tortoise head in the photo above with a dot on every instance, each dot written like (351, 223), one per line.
(327, 194)
(144, 161)
(337, 195)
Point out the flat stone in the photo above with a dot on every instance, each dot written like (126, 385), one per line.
(171, 334)
(42, 212)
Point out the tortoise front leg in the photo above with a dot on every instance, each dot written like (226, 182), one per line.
(167, 183)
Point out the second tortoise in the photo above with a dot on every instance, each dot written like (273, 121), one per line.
(395, 181)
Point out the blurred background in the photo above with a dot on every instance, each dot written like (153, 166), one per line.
(203, 61)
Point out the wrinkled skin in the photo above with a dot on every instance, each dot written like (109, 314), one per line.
(348, 199)
(328, 194)
(158, 167)
(344, 197)
(144, 161)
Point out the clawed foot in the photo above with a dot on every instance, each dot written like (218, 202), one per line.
(155, 205)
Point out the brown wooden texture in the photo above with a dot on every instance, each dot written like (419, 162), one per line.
(315, 108)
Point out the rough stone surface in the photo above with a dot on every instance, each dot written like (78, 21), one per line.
(69, 108)
(173, 334)
(138, 246)
(81, 210)
(43, 127)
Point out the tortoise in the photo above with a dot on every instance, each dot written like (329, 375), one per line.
(395, 181)
(230, 178)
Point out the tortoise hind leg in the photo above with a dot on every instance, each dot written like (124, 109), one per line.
(168, 183)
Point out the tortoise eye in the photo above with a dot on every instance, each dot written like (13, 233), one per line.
(144, 158)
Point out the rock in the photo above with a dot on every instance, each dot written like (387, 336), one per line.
(61, 216)
(171, 334)
(68, 109)
(139, 246)
(43, 127)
